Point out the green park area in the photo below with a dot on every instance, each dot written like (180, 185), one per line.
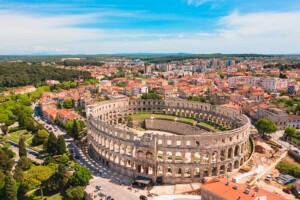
(141, 116)
(28, 136)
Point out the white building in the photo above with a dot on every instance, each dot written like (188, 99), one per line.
(294, 121)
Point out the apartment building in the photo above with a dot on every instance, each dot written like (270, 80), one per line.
(278, 116)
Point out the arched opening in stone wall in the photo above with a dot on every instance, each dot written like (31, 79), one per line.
(196, 173)
(242, 148)
(150, 170)
(187, 173)
(205, 158)
(159, 156)
(214, 171)
(197, 157)
(140, 169)
(169, 156)
(120, 121)
(236, 150)
(236, 164)
(159, 170)
(169, 172)
(222, 169)
(149, 156)
(140, 154)
(187, 158)
(229, 153)
(222, 155)
(214, 156)
(178, 172)
(178, 157)
(205, 172)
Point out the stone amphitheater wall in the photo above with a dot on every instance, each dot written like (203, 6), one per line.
(181, 158)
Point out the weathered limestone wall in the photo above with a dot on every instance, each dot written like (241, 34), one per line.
(183, 158)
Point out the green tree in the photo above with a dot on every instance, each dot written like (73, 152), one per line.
(35, 176)
(49, 160)
(68, 103)
(265, 126)
(2, 181)
(74, 193)
(64, 159)
(73, 84)
(290, 131)
(57, 181)
(75, 130)
(221, 74)
(29, 124)
(7, 160)
(51, 146)
(22, 147)
(61, 145)
(24, 163)
(80, 177)
(297, 109)
(10, 188)
(40, 138)
(18, 174)
(4, 129)
(151, 96)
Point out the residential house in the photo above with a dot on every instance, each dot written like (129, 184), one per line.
(64, 115)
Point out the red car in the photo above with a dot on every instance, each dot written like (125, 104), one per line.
(286, 191)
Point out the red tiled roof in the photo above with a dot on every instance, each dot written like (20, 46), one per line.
(228, 192)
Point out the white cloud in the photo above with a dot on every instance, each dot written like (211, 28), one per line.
(269, 32)
(197, 2)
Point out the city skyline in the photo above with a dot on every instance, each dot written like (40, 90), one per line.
(190, 26)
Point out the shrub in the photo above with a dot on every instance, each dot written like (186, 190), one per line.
(13, 129)
(285, 167)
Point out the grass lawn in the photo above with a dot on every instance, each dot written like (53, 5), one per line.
(185, 119)
(37, 196)
(149, 115)
(141, 116)
(15, 136)
(209, 126)
(163, 116)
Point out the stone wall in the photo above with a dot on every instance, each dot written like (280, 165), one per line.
(187, 157)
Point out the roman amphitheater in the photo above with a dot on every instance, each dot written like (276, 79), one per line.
(177, 148)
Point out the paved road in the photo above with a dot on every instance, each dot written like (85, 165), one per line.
(113, 184)
(278, 138)
(32, 157)
(274, 189)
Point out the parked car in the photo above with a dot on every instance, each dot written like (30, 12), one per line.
(143, 197)
(286, 191)
(295, 151)
(99, 187)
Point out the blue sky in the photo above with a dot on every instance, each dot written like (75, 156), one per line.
(166, 26)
